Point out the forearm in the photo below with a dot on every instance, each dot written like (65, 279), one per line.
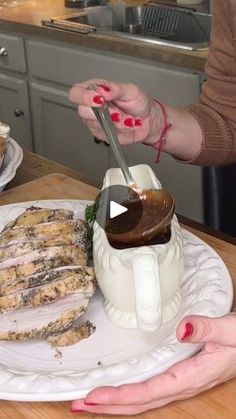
(205, 133)
(184, 137)
(215, 115)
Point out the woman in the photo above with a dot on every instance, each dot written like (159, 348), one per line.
(202, 134)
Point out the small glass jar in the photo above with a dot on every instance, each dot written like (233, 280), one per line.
(4, 131)
(4, 135)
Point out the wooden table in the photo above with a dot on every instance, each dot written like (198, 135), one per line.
(217, 403)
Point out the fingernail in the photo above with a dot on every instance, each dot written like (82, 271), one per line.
(77, 411)
(98, 99)
(104, 87)
(115, 117)
(188, 331)
(138, 122)
(90, 403)
(129, 122)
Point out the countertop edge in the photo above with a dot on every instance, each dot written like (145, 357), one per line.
(191, 60)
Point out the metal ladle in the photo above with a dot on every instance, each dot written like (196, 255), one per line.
(155, 223)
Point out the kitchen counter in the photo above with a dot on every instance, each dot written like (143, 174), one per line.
(26, 20)
(217, 403)
(35, 166)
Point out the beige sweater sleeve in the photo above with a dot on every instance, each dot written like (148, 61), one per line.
(216, 112)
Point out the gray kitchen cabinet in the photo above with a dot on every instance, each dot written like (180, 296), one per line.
(61, 136)
(14, 108)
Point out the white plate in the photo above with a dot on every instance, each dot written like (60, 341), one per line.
(29, 371)
(12, 160)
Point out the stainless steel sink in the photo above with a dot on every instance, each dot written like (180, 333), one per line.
(152, 23)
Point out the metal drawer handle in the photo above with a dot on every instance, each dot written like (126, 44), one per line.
(3, 52)
(18, 112)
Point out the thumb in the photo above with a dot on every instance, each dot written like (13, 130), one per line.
(199, 329)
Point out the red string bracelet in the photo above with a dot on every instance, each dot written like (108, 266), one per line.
(162, 139)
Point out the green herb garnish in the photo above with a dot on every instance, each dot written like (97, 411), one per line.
(90, 212)
(90, 217)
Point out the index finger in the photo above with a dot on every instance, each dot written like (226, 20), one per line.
(160, 387)
(109, 90)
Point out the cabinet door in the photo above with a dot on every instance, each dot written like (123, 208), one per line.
(14, 109)
(60, 135)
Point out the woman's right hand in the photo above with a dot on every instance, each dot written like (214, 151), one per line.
(137, 117)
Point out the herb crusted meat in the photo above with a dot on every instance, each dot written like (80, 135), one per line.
(45, 283)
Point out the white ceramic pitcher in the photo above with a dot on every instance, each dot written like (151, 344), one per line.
(141, 285)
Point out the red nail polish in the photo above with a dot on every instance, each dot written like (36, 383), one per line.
(104, 87)
(90, 403)
(129, 122)
(98, 99)
(115, 117)
(77, 411)
(188, 331)
(138, 122)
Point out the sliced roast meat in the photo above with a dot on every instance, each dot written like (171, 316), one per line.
(36, 215)
(47, 277)
(44, 231)
(20, 249)
(45, 285)
(73, 335)
(40, 260)
(43, 321)
(75, 281)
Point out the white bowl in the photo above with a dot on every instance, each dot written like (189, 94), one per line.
(12, 160)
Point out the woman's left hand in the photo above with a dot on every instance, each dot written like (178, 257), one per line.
(214, 364)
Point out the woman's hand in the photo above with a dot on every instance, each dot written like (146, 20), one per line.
(136, 116)
(214, 364)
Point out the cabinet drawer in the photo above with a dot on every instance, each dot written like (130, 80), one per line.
(12, 53)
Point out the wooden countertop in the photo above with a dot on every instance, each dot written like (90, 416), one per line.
(217, 403)
(26, 20)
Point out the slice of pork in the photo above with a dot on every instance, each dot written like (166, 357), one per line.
(43, 321)
(44, 231)
(36, 215)
(20, 249)
(80, 281)
(72, 335)
(44, 278)
(41, 260)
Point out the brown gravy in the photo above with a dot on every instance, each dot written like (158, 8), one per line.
(161, 239)
(150, 213)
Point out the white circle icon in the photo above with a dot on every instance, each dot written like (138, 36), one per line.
(116, 209)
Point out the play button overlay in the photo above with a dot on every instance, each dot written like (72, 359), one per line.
(116, 209)
(119, 209)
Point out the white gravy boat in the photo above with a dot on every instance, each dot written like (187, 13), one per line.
(141, 285)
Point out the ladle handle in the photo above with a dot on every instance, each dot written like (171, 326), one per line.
(104, 119)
